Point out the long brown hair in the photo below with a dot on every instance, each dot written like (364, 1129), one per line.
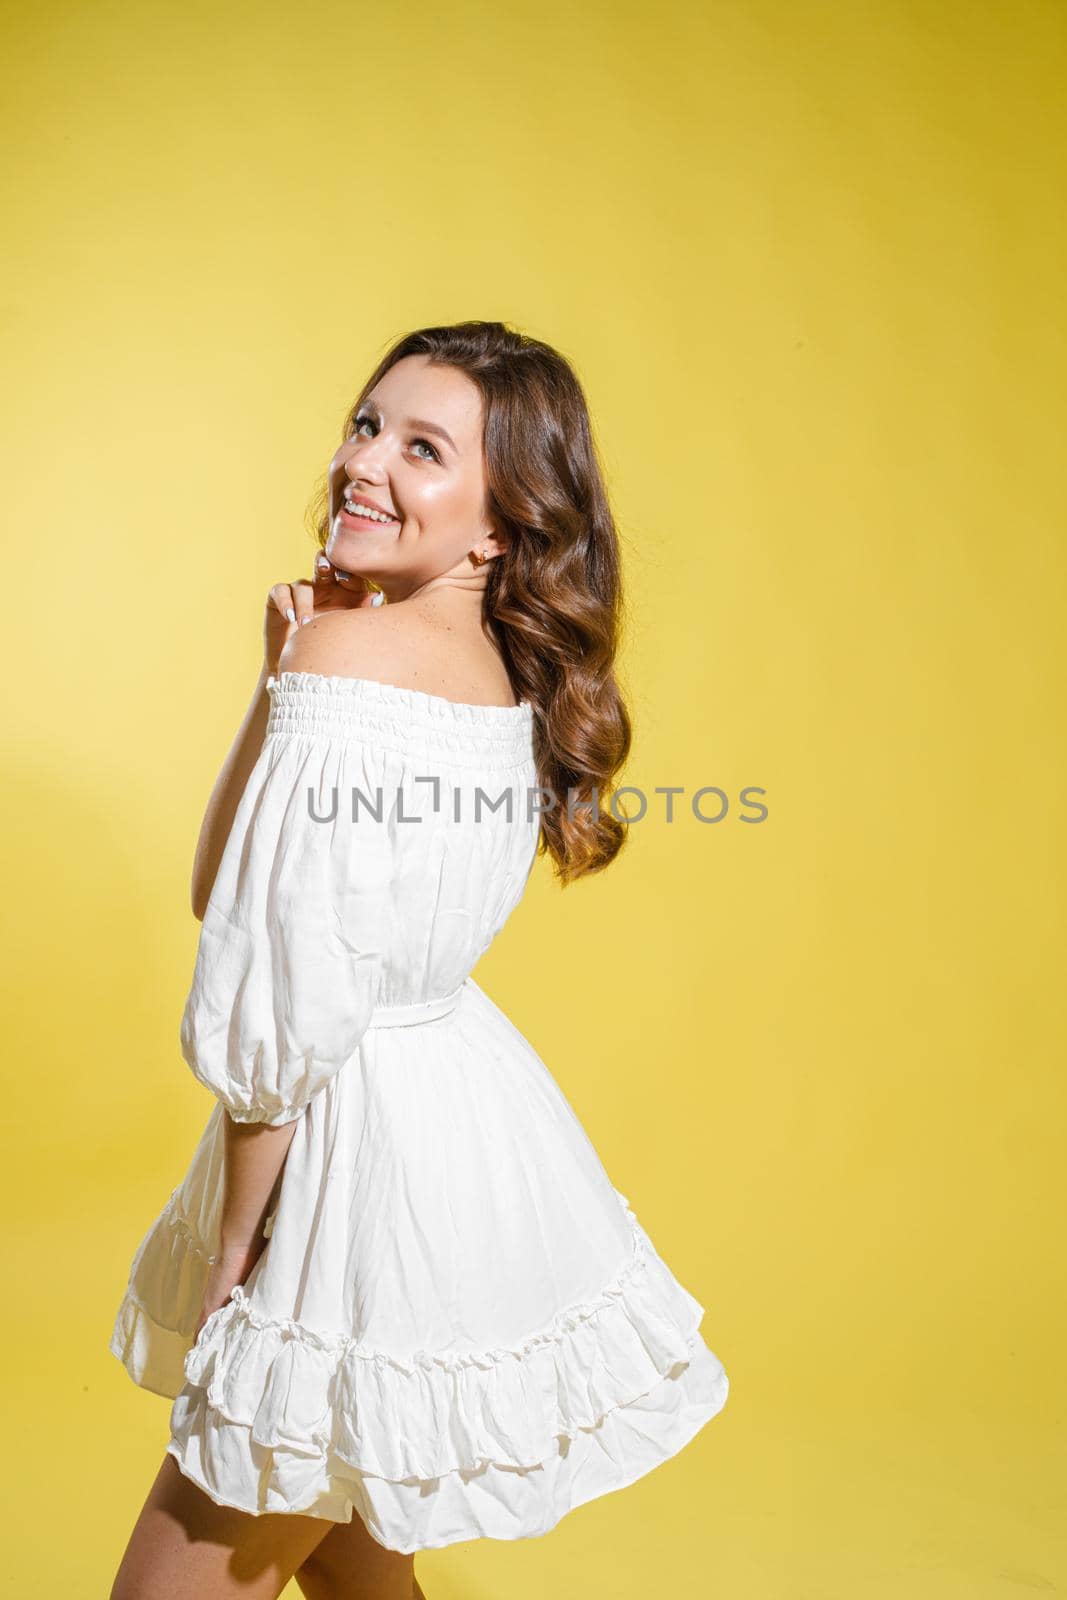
(553, 598)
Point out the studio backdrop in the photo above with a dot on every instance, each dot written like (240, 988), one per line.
(807, 260)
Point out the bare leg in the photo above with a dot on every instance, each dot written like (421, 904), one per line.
(185, 1547)
(350, 1564)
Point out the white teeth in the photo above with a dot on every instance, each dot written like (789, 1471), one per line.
(365, 511)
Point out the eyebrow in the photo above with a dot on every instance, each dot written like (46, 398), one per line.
(414, 422)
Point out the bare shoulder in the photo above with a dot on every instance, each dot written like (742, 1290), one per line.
(406, 645)
(368, 642)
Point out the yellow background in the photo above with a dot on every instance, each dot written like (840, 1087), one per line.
(808, 260)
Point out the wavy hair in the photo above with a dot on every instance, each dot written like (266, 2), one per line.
(552, 601)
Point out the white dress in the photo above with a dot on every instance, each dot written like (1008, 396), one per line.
(458, 1327)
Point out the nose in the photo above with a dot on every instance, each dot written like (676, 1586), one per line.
(363, 460)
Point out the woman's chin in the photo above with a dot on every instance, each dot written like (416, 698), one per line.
(352, 553)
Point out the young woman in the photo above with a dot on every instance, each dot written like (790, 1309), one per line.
(397, 1301)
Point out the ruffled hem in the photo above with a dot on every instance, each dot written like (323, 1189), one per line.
(488, 1502)
(153, 1342)
(318, 1395)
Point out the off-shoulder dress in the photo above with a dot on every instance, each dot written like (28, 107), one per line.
(457, 1328)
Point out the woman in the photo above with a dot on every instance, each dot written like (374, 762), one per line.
(397, 1301)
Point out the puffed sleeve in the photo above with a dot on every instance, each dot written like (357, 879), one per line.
(291, 946)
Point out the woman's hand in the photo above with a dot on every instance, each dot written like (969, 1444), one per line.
(230, 1267)
(290, 605)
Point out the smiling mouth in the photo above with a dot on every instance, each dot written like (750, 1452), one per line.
(353, 512)
(359, 521)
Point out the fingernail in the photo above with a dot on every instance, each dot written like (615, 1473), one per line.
(303, 620)
(377, 598)
(291, 614)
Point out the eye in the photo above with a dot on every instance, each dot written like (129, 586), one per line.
(369, 422)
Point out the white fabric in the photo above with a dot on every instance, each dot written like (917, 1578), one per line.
(458, 1327)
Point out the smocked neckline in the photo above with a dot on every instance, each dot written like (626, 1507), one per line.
(375, 690)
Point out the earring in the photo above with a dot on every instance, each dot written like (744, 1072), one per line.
(479, 556)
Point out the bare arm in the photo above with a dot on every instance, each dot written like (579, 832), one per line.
(255, 1160)
(255, 1155)
(225, 796)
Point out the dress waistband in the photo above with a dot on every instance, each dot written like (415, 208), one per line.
(418, 1011)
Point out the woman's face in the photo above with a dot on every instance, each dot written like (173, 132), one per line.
(415, 452)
